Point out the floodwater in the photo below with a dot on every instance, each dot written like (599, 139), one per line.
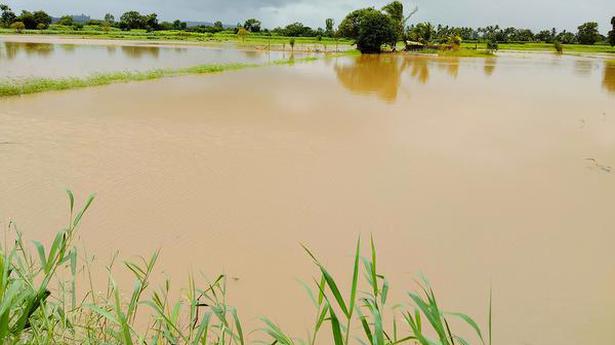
(22, 58)
(477, 173)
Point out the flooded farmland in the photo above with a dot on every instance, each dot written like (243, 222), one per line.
(56, 58)
(476, 172)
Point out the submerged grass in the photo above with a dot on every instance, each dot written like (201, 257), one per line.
(36, 85)
(39, 306)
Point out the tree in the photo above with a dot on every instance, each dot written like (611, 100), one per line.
(150, 22)
(218, 25)
(395, 10)
(566, 37)
(109, 18)
(252, 25)
(7, 17)
(42, 19)
(329, 24)
(27, 19)
(179, 25)
(422, 32)
(370, 29)
(18, 27)
(612, 33)
(545, 36)
(131, 20)
(66, 20)
(588, 33)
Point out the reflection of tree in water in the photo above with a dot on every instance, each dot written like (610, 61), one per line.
(382, 74)
(251, 55)
(489, 66)
(111, 50)
(139, 52)
(419, 67)
(11, 49)
(68, 48)
(583, 67)
(608, 82)
(450, 64)
(379, 74)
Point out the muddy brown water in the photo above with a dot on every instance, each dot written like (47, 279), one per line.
(477, 173)
(21, 57)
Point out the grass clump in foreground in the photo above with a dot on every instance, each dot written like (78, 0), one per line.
(39, 306)
(36, 85)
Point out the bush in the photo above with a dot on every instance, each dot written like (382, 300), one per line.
(559, 48)
(19, 27)
(454, 41)
(292, 43)
(492, 45)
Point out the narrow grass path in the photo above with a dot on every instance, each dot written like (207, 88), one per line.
(37, 85)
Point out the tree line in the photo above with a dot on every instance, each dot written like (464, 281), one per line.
(369, 27)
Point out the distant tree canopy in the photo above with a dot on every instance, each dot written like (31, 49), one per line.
(134, 20)
(296, 29)
(252, 25)
(588, 33)
(65, 20)
(370, 29)
(109, 18)
(34, 20)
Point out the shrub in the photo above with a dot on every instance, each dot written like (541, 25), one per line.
(454, 41)
(19, 27)
(492, 45)
(559, 48)
(292, 43)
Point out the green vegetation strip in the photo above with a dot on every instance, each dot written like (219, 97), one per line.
(36, 85)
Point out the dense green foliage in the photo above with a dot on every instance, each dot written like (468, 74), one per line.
(612, 33)
(41, 303)
(588, 33)
(370, 29)
(252, 25)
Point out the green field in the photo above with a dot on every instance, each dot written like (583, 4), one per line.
(262, 40)
(94, 32)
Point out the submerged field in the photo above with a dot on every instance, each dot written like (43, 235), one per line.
(480, 173)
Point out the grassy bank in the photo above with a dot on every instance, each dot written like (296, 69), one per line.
(36, 85)
(545, 47)
(40, 304)
(279, 42)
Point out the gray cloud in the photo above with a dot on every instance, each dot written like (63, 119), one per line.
(534, 14)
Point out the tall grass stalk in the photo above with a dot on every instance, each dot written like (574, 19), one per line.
(39, 306)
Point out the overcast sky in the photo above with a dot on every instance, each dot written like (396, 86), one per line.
(533, 14)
